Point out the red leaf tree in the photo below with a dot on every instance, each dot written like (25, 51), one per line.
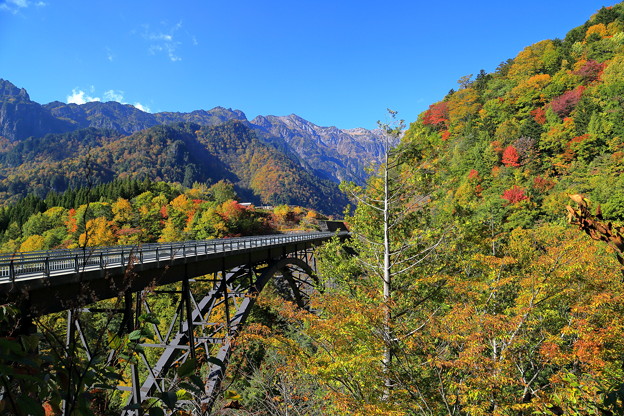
(539, 115)
(511, 157)
(565, 103)
(542, 185)
(436, 115)
(514, 195)
(590, 71)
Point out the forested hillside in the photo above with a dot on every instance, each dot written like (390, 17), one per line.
(37, 371)
(545, 124)
(184, 153)
(489, 302)
(320, 153)
(128, 212)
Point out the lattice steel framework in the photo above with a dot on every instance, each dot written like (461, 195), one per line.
(207, 313)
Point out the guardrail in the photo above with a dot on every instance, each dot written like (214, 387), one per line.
(38, 264)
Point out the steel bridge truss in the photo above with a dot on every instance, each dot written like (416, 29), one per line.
(207, 313)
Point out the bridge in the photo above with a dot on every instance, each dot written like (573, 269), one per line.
(211, 284)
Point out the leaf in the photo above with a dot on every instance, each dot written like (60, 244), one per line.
(578, 199)
(216, 361)
(231, 395)
(112, 375)
(197, 381)
(30, 342)
(187, 368)
(147, 333)
(183, 395)
(169, 398)
(149, 318)
(156, 411)
(197, 387)
(135, 335)
(114, 340)
(7, 312)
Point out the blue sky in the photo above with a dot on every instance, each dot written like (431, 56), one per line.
(336, 62)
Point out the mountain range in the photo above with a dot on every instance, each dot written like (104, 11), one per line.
(47, 147)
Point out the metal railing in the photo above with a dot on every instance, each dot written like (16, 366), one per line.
(46, 264)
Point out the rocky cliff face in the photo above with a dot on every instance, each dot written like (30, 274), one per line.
(124, 118)
(217, 115)
(332, 153)
(20, 117)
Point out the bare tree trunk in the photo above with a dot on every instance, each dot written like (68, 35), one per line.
(387, 283)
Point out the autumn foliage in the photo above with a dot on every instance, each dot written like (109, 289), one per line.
(168, 213)
(437, 115)
(589, 71)
(514, 195)
(513, 313)
(502, 310)
(539, 114)
(511, 157)
(565, 103)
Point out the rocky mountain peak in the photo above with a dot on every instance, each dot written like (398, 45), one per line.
(329, 152)
(21, 118)
(332, 153)
(8, 90)
(229, 113)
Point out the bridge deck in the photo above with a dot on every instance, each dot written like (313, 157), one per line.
(52, 281)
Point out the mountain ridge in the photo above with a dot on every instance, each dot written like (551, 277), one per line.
(335, 154)
(186, 153)
(332, 153)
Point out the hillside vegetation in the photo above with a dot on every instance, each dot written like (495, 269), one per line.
(185, 153)
(545, 124)
(133, 212)
(496, 306)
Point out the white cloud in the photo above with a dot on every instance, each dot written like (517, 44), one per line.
(159, 36)
(14, 6)
(142, 107)
(80, 97)
(109, 55)
(169, 48)
(112, 95)
(116, 95)
(164, 41)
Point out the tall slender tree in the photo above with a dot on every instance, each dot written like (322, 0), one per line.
(388, 227)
